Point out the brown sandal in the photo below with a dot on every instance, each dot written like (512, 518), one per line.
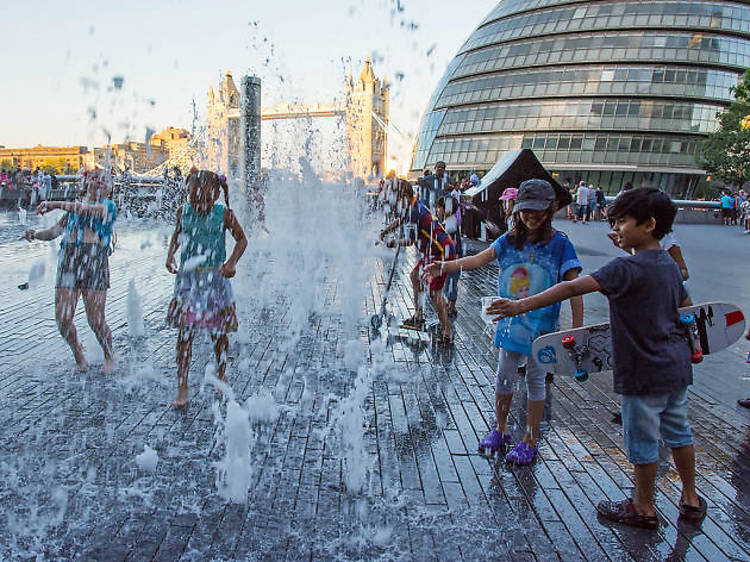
(692, 513)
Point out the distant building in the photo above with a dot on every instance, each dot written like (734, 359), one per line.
(367, 102)
(606, 92)
(365, 110)
(138, 157)
(62, 158)
(223, 139)
(175, 140)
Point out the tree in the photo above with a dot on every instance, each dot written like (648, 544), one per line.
(6, 164)
(725, 154)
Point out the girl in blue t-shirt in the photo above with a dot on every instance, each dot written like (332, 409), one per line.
(83, 262)
(203, 298)
(532, 257)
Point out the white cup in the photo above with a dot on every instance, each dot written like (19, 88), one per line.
(488, 318)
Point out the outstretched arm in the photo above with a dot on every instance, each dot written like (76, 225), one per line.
(229, 268)
(390, 228)
(98, 210)
(48, 233)
(174, 243)
(556, 293)
(436, 269)
(576, 302)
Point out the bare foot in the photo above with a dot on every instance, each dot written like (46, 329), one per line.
(82, 367)
(181, 400)
(108, 367)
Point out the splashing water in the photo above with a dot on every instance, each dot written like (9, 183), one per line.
(352, 429)
(135, 312)
(147, 460)
(234, 471)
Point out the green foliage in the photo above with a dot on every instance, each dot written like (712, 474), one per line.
(725, 154)
(6, 164)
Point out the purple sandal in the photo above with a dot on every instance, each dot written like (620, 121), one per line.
(493, 441)
(522, 454)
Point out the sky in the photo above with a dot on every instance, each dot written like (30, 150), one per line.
(61, 58)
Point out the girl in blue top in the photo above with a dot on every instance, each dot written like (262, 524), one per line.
(83, 262)
(532, 257)
(203, 297)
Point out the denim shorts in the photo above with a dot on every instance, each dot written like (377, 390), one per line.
(645, 418)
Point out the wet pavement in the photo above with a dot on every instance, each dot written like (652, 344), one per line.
(359, 450)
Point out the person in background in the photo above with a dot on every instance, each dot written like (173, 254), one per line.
(435, 185)
(448, 213)
(582, 203)
(727, 204)
(508, 199)
(601, 204)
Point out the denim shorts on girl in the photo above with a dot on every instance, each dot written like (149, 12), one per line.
(646, 418)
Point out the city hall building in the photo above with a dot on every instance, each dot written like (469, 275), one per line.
(602, 91)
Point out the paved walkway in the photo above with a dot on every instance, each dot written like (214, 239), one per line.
(71, 486)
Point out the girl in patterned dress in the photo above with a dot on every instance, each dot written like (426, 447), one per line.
(203, 298)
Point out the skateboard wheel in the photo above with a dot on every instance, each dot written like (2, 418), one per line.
(376, 321)
(697, 357)
(569, 342)
(687, 318)
(582, 376)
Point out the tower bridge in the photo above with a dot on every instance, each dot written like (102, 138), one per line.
(365, 109)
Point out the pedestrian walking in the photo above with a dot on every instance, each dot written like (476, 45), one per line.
(601, 204)
(582, 203)
(203, 298)
(651, 352)
(532, 257)
(83, 263)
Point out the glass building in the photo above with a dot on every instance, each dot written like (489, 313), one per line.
(602, 91)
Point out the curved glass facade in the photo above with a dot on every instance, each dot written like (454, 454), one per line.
(628, 99)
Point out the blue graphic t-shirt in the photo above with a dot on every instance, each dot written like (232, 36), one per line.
(525, 272)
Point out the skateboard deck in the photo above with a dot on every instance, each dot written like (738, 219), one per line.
(430, 328)
(581, 351)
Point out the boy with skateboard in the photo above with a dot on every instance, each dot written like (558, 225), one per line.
(434, 243)
(652, 368)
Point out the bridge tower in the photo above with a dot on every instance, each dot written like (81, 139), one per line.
(367, 107)
(223, 127)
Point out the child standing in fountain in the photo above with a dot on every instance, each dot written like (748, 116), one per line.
(83, 262)
(532, 257)
(203, 297)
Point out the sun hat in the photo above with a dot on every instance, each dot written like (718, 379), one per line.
(535, 195)
(509, 194)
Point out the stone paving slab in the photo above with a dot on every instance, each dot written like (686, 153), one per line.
(71, 488)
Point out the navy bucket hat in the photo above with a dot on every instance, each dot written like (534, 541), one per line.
(535, 195)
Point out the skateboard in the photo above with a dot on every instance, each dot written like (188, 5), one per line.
(710, 327)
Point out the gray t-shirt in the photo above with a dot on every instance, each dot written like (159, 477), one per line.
(650, 349)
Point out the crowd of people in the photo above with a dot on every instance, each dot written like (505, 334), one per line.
(538, 269)
(735, 209)
(40, 182)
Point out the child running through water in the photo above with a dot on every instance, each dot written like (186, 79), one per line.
(652, 368)
(532, 257)
(83, 263)
(433, 242)
(203, 297)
